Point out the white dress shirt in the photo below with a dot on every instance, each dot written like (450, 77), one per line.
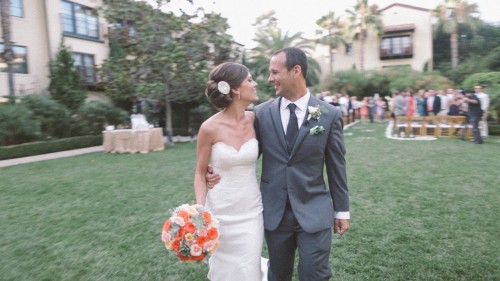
(301, 111)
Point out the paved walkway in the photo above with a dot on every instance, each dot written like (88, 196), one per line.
(74, 152)
(49, 156)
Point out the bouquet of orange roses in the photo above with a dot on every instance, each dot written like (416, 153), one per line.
(191, 233)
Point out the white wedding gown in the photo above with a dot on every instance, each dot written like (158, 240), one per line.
(236, 202)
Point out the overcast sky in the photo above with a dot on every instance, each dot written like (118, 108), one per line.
(300, 15)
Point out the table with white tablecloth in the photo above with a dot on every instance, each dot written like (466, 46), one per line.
(133, 141)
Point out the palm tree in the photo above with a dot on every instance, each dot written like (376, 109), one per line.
(269, 39)
(361, 19)
(8, 54)
(333, 38)
(452, 14)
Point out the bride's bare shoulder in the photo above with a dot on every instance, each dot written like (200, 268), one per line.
(211, 125)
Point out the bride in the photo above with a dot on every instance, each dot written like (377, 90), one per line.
(228, 141)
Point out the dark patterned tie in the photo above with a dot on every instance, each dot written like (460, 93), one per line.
(292, 128)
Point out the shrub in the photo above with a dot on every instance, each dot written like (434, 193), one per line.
(485, 79)
(54, 117)
(94, 116)
(17, 125)
(384, 82)
(37, 148)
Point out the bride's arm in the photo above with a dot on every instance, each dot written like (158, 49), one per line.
(203, 149)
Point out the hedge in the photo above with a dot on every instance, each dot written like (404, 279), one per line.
(37, 148)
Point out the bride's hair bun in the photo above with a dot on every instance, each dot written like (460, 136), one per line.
(230, 72)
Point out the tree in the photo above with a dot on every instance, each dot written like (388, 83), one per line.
(165, 57)
(8, 53)
(451, 15)
(333, 37)
(115, 73)
(361, 19)
(479, 51)
(490, 81)
(65, 81)
(270, 38)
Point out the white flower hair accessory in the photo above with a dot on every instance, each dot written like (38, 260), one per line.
(223, 87)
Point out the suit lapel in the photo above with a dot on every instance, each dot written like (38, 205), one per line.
(276, 120)
(305, 127)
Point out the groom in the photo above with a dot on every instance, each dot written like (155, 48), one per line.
(297, 141)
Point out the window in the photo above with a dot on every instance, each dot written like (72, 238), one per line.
(16, 8)
(79, 20)
(396, 47)
(348, 49)
(20, 61)
(126, 25)
(84, 63)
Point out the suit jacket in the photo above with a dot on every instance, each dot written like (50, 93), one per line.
(436, 106)
(299, 175)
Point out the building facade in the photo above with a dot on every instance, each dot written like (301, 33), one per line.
(37, 28)
(406, 41)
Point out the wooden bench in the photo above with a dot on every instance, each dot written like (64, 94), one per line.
(436, 126)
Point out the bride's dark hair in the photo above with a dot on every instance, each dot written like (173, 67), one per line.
(230, 72)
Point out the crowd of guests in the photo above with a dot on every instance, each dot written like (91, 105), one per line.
(454, 102)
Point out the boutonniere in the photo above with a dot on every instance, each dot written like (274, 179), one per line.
(317, 130)
(314, 112)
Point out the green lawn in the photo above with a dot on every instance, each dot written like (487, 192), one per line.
(421, 210)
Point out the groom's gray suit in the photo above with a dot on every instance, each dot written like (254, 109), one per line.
(299, 175)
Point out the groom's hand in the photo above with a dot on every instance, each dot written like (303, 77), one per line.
(211, 178)
(341, 226)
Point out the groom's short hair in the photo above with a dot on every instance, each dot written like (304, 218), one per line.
(294, 56)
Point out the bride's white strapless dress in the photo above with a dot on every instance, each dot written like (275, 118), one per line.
(236, 202)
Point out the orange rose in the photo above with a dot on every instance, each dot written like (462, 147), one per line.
(207, 217)
(181, 232)
(213, 233)
(184, 215)
(167, 225)
(190, 227)
(201, 241)
(176, 245)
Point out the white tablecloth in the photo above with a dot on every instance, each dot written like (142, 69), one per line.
(133, 141)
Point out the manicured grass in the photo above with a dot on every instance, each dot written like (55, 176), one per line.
(421, 210)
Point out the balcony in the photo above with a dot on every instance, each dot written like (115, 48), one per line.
(396, 47)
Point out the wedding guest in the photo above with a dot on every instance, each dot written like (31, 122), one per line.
(443, 98)
(420, 102)
(410, 103)
(432, 103)
(364, 109)
(355, 107)
(400, 108)
(381, 108)
(485, 104)
(475, 115)
(335, 101)
(372, 108)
